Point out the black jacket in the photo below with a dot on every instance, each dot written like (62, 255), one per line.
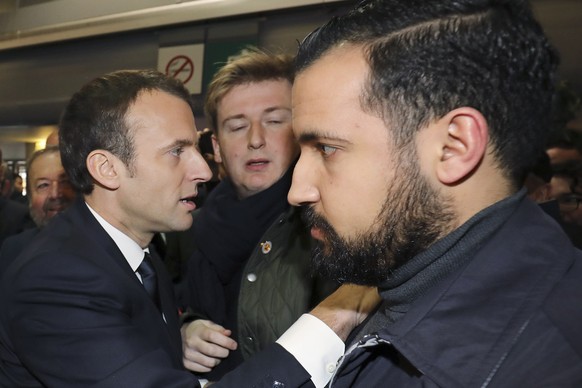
(250, 268)
(14, 245)
(75, 314)
(14, 218)
(509, 318)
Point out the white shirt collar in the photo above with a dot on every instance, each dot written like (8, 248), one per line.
(128, 247)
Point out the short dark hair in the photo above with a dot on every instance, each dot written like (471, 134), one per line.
(251, 65)
(427, 58)
(95, 119)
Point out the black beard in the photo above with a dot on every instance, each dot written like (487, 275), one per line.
(412, 218)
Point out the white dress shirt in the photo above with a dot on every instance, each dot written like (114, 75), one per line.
(128, 247)
(315, 346)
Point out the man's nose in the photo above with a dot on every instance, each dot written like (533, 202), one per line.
(56, 189)
(199, 169)
(303, 189)
(256, 136)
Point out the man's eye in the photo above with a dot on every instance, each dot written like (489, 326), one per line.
(236, 126)
(276, 121)
(177, 151)
(327, 150)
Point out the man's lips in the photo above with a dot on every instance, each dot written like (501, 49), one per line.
(189, 202)
(54, 206)
(257, 163)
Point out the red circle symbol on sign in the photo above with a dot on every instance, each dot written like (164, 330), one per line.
(181, 68)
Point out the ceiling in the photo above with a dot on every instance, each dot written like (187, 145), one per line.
(561, 19)
(25, 134)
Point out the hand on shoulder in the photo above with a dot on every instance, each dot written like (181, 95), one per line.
(347, 307)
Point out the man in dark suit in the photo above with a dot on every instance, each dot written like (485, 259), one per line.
(75, 311)
(82, 305)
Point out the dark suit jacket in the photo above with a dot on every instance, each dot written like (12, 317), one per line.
(74, 314)
(14, 218)
(14, 245)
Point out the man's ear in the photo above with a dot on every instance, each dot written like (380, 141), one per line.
(216, 148)
(464, 146)
(104, 168)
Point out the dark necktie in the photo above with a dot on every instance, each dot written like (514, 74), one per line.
(148, 277)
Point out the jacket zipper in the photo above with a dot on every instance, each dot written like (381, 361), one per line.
(368, 341)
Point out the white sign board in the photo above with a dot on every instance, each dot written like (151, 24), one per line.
(184, 63)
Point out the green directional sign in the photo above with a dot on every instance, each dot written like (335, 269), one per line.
(217, 53)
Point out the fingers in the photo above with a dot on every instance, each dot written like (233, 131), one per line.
(346, 308)
(352, 297)
(198, 362)
(369, 301)
(205, 344)
(212, 333)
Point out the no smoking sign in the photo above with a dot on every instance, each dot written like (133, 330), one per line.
(181, 68)
(183, 63)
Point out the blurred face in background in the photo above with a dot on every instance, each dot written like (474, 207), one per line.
(567, 192)
(18, 184)
(50, 191)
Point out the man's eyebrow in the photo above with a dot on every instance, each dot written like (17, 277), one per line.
(267, 110)
(234, 117)
(179, 143)
(276, 108)
(316, 136)
(231, 118)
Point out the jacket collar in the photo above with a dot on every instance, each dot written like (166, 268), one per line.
(104, 251)
(459, 332)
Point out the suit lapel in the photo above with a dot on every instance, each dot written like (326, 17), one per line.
(84, 220)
